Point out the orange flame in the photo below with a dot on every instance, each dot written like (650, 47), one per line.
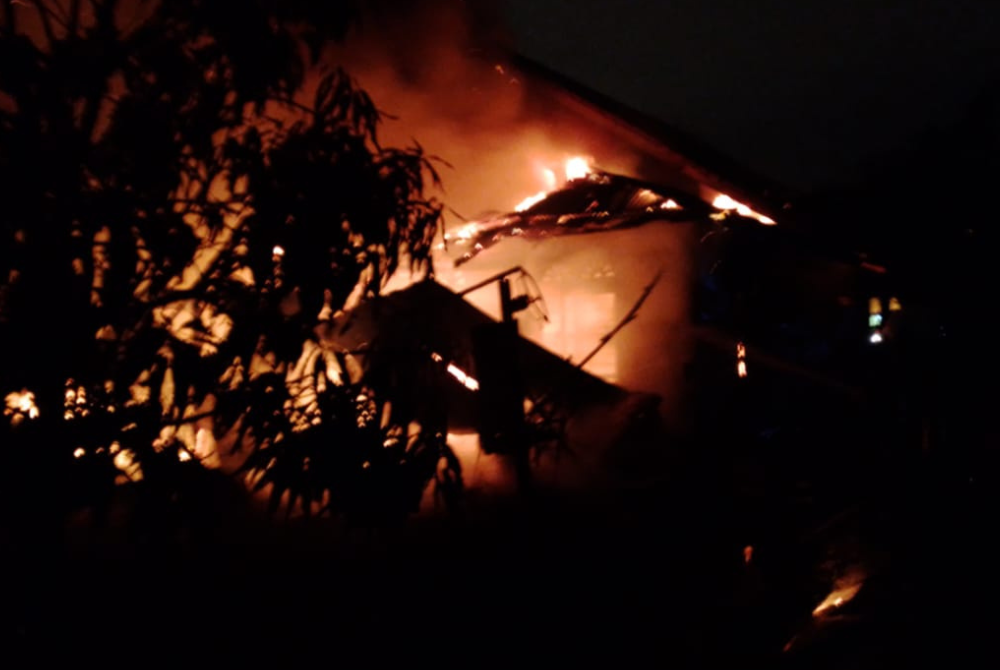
(529, 201)
(549, 177)
(459, 374)
(724, 202)
(577, 168)
(838, 598)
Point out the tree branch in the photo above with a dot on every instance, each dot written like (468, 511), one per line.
(74, 18)
(59, 12)
(44, 14)
(628, 318)
(9, 18)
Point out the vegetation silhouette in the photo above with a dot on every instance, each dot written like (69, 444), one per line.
(188, 192)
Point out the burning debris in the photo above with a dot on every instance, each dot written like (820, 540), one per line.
(725, 203)
(842, 594)
(592, 202)
(465, 379)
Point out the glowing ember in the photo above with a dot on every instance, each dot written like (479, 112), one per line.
(748, 554)
(126, 462)
(459, 374)
(183, 456)
(278, 251)
(527, 202)
(577, 168)
(669, 204)
(741, 362)
(894, 305)
(20, 405)
(725, 203)
(79, 452)
(465, 233)
(838, 598)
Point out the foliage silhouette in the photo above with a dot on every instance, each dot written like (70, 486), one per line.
(183, 202)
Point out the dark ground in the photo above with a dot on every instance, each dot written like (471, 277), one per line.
(630, 575)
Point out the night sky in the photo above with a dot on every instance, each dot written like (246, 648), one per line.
(801, 91)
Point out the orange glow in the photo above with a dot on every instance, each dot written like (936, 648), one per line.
(459, 374)
(464, 234)
(278, 251)
(126, 462)
(528, 202)
(894, 305)
(878, 269)
(670, 204)
(741, 362)
(838, 598)
(577, 168)
(79, 452)
(874, 306)
(725, 203)
(549, 177)
(183, 456)
(747, 554)
(20, 404)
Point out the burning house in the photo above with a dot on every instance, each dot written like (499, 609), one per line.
(634, 245)
(638, 245)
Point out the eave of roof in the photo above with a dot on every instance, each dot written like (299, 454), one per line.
(714, 167)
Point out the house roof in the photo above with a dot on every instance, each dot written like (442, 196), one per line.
(705, 163)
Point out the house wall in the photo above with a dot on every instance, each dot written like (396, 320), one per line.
(589, 283)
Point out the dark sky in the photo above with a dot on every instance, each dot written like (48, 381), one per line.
(799, 90)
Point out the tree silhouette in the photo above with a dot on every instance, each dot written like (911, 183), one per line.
(187, 192)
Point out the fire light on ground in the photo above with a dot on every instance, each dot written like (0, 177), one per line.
(724, 202)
